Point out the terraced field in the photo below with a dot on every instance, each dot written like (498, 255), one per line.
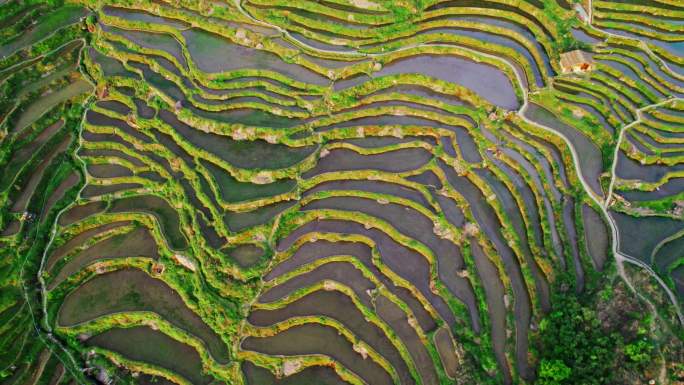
(336, 192)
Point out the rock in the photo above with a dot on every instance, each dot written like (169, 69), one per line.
(328, 285)
(361, 350)
(291, 367)
(263, 177)
(239, 134)
(185, 262)
(471, 229)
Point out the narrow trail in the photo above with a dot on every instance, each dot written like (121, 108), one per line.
(620, 258)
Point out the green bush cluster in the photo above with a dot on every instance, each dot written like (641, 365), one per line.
(574, 348)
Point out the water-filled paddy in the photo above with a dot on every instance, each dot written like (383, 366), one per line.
(315, 338)
(143, 344)
(497, 88)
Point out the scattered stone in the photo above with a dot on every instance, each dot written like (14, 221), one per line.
(328, 285)
(239, 134)
(263, 177)
(291, 367)
(364, 4)
(185, 262)
(361, 350)
(471, 229)
(272, 139)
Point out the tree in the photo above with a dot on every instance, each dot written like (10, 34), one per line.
(574, 349)
(552, 372)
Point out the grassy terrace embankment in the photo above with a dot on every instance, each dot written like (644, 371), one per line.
(274, 191)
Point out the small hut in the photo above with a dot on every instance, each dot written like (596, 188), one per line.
(576, 61)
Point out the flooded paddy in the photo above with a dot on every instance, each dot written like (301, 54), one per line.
(640, 235)
(244, 153)
(392, 161)
(491, 226)
(501, 40)
(496, 304)
(143, 344)
(393, 254)
(238, 221)
(213, 53)
(315, 338)
(43, 27)
(312, 251)
(135, 15)
(232, 190)
(392, 314)
(48, 101)
(342, 272)
(596, 235)
(341, 308)
(446, 349)
(79, 212)
(92, 191)
(628, 168)
(137, 243)
(668, 253)
(378, 187)
(497, 88)
(162, 211)
(69, 243)
(246, 255)
(132, 290)
(155, 41)
(571, 232)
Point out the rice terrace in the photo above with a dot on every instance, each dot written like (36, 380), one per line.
(331, 192)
